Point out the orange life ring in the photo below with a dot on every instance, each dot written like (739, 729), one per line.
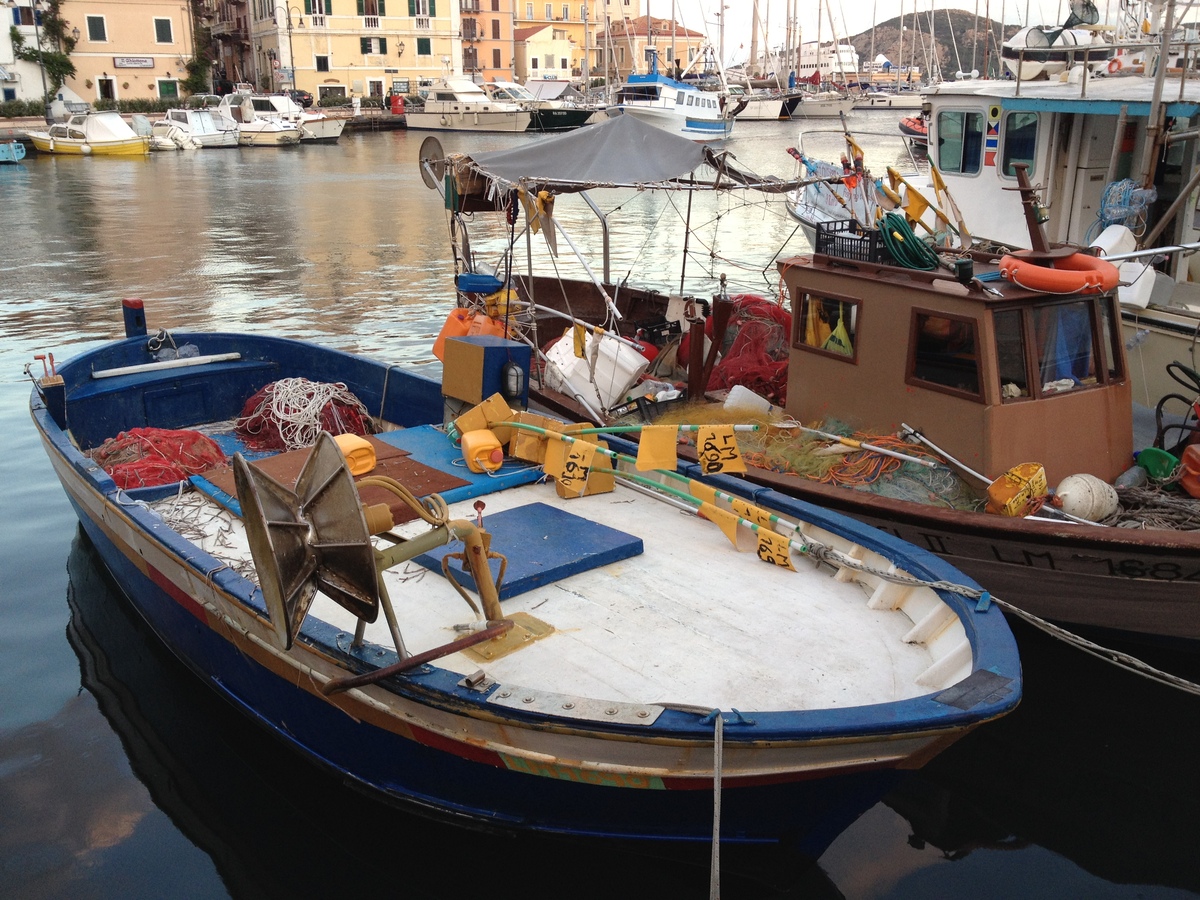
(1115, 65)
(1080, 273)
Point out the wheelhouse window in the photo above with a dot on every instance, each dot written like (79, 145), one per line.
(944, 353)
(1020, 142)
(960, 141)
(1056, 346)
(1065, 346)
(826, 325)
(1010, 354)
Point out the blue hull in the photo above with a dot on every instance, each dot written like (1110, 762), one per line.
(401, 759)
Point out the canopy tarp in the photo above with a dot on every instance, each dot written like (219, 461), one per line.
(620, 151)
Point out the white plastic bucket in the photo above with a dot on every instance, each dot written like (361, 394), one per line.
(617, 367)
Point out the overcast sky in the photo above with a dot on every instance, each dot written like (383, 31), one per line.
(849, 16)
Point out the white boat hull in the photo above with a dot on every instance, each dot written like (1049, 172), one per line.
(463, 118)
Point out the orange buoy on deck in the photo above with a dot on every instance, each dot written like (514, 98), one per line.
(1079, 273)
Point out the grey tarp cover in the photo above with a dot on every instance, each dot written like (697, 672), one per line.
(620, 150)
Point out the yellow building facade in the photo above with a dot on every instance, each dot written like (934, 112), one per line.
(126, 50)
(333, 48)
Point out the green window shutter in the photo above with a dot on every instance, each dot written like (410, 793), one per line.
(308, 7)
(432, 9)
(383, 46)
(412, 7)
(360, 7)
(364, 44)
(382, 12)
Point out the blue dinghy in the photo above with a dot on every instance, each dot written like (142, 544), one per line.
(565, 645)
(11, 151)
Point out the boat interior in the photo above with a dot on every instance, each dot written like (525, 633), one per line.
(602, 586)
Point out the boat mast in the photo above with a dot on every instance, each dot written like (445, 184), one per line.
(837, 50)
(900, 55)
(753, 40)
(874, 10)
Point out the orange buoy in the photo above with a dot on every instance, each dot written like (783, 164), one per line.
(1079, 273)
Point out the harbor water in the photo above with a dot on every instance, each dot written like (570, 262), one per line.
(122, 775)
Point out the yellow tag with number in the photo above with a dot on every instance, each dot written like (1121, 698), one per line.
(717, 448)
(576, 461)
(773, 548)
(749, 511)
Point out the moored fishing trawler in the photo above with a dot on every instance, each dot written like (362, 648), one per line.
(553, 671)
(990, 365)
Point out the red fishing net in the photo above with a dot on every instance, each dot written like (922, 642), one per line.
(290, 414)
(147, 457)
(757, 357)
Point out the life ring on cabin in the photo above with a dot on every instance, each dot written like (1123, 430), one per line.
(1115, 65)
(1079, 273)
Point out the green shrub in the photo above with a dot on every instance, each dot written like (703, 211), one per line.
(19, 109)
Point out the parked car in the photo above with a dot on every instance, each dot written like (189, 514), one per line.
(304, 98)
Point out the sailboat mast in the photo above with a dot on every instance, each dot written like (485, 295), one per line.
(753, 40)
(900, 56)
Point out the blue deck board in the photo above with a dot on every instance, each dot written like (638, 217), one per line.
(542, 545)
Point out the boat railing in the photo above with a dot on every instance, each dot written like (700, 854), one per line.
(1189, 49)
(857, 133)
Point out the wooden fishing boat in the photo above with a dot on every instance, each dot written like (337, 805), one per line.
(561, 672)
(1011, 407)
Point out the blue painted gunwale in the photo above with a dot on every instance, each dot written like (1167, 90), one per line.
(398, 765)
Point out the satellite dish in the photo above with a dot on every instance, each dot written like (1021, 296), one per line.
(311, 539)
(1083, 12)
(432, 162)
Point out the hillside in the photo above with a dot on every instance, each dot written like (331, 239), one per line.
(951, 27)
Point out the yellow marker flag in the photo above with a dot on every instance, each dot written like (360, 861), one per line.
(939, 186)
(702, 491)
(773, 548)
(750, 512)
(717, 448)
(531, 213)
(577, 460)
(855, 150)
(579, 335)
(545, 216)
(656, 447)
(723, 519)
(914, 204)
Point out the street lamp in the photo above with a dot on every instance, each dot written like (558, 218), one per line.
(37, 6)
(287, 11)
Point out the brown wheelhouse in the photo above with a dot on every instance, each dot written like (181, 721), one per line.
(998, 374)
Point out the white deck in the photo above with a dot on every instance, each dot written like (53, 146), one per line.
(689, 621)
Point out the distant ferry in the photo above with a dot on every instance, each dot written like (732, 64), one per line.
(834, 60)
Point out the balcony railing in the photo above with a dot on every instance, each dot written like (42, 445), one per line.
(318, 21)
(370, 21)
(422, 23)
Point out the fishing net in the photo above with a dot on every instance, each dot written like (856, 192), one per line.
(757, 358)
(291, 413)
(791, 452)
(147, 457)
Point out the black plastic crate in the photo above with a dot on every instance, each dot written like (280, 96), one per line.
(846, 239)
